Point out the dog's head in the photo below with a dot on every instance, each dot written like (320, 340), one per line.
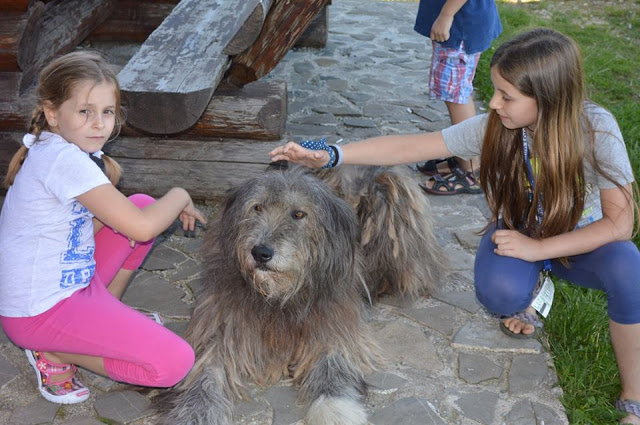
(290, 235)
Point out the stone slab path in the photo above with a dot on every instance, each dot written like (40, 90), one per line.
(448, 362)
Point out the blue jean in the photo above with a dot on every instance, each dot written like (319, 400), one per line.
(505, 285)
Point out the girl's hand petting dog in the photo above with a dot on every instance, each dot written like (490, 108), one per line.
(293, 152)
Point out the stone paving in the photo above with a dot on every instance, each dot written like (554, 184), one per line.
(448, 362)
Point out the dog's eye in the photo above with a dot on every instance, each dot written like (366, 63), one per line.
(258, 208)
(299, 215)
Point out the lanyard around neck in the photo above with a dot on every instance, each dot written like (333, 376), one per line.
(539, 209)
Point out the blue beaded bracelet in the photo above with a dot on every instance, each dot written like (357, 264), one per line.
(333, 150)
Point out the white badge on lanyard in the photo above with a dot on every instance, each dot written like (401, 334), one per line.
(542, 302)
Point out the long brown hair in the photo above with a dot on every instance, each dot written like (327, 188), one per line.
(545, 65)
(56, 82)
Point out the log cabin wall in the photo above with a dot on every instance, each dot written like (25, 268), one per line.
(234, 128)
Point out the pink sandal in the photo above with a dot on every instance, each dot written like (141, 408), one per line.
(69, 391)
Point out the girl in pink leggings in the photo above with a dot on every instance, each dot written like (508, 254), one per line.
(71, 242)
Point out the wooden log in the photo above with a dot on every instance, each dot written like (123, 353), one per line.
(169, 82)
(19, 37)
(255, 111)
(133, 20)
(136, 20)
(14, 5)
(316, 34)
(250, 30)
(206, 169)
(64, 24)
(9, 145)
(284, 24)
(15, 110)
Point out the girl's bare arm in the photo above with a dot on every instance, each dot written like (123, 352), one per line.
(615, 225)
(383, 150)
(116, 211)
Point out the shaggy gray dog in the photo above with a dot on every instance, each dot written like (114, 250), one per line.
(396, 229)
(286, 280)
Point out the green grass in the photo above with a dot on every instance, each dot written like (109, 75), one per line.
(577, 328)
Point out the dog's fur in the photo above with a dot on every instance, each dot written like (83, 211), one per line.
(396, 228)
(286, 279)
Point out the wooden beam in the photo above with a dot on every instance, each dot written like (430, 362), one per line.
(169, 82)
(19, 37)
(64, 24)
(316, 34)
(250, 30)
(255, 111)
(284, 24)
(205, 168)
(133, 20)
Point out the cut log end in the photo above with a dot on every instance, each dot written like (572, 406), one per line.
(165, 113)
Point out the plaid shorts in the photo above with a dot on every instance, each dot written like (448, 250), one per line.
(451, 75)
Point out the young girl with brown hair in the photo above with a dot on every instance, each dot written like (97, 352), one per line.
(71, 242)
(558, 182)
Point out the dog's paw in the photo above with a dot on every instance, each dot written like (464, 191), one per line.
(336, 411)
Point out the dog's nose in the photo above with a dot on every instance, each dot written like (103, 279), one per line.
(262, 254)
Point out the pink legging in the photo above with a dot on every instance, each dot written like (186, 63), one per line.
(93, 322)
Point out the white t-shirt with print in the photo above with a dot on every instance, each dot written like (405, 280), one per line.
(465, 140)
(46, 235)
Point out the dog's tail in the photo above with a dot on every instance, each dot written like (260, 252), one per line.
(336, 390)
(203, 398)
(397, 235)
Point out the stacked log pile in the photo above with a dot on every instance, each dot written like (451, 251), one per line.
(196, 108)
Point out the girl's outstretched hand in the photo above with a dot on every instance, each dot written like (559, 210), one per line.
(189, 215)
(511, 243)
(295, 153)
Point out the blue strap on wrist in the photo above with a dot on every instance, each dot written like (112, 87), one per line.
(317, 145)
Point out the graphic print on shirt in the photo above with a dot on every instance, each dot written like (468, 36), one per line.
(75, 255)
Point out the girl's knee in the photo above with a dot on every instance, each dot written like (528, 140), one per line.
(141, 200)
(175, 363)
(502, 294)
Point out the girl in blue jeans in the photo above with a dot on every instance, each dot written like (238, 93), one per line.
(559, 184)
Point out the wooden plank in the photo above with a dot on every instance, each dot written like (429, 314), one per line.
(202, 179)
(19, 37)
(255, 111)
(64, 24)
(169, 82)
(316, 34)
(212, 150)
(250, 29)
(205, 168)
(133, 20)
(284, 24)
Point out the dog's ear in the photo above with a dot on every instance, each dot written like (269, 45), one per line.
(278, 165)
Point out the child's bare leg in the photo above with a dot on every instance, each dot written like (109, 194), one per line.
(94, 364)
(459, 112)
(626, 344)
(120, 282)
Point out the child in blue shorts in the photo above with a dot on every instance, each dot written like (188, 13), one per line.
(460, 30)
